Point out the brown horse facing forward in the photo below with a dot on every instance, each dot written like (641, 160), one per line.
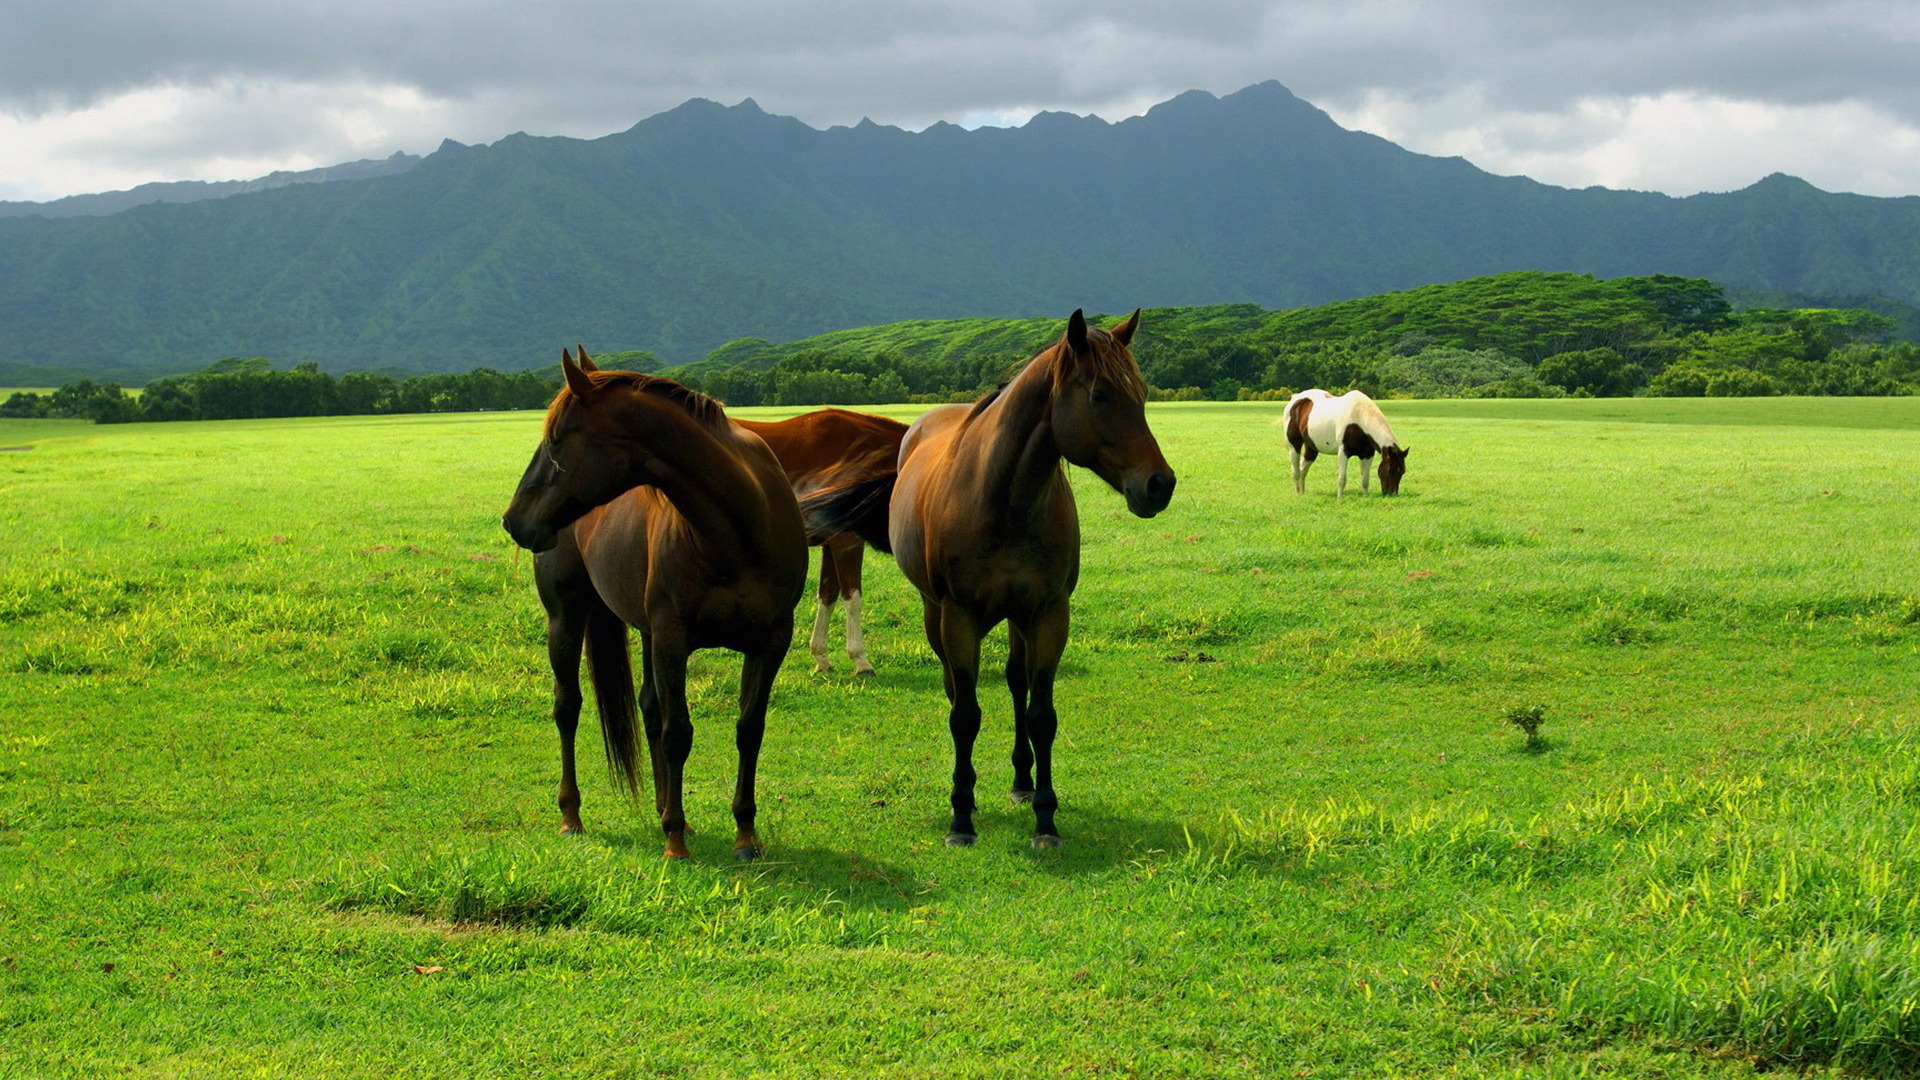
(827, 448)
(647, 507)
(983, 522)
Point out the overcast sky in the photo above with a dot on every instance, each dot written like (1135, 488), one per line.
(1678, 96)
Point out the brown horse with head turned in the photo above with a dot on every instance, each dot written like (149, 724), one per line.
(647, 507)
(983, 522)
(822, 449)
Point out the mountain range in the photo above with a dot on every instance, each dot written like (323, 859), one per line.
(709, 223)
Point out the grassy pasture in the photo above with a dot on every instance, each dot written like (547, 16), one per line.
(276, 773)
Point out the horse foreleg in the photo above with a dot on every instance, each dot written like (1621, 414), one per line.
(653, 722)
(1300, 463)
(756, 687)
(823, 609)
(669, 680)
(1341, 488)
(960, 651)
(1046, 642)
(1017, 685)
(1366, 471)
(565, 636)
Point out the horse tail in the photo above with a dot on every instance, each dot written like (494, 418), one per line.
(611, 670)
(859, 506)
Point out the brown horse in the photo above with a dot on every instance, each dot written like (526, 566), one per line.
(983, 522)
(647, 507)
(821, 449)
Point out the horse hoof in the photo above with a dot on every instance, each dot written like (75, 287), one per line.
(821, 667)
(960, 839)
(1021, 795)
(571, 830)
(863, 669)
(747, 852)
(1042, 841)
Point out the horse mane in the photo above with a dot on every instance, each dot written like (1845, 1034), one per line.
(1109, 361)
(705, 410)
(986, 399)
(1372, 421)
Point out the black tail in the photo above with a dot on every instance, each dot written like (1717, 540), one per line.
(612, 673)
(859, 507)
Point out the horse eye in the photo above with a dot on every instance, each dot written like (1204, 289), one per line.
(1098, 395)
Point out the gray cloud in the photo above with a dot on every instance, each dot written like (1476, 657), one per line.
(593, 66)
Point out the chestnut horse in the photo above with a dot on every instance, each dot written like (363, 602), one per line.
(982, 521)
(1350, 426)
(825, 448)
(647, 507)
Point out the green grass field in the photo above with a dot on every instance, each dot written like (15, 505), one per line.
(277, 773)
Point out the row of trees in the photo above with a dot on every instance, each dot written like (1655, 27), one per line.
(240, 389)
(1524, 334)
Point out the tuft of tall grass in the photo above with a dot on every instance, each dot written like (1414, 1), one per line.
(573, 885)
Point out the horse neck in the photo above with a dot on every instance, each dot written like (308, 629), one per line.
(1373, 422)
(1012, 438)
(702, 474)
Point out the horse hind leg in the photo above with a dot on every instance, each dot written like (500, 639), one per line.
(566, 635)
(959, 650)
(847, 553)
(823, 610)
(757, 673)
(668, 678)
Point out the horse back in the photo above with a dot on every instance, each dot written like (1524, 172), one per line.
(823, 446)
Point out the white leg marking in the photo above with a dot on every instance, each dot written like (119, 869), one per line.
(1342, 489)
(1366, 470)
(856, 641)
(817, 645)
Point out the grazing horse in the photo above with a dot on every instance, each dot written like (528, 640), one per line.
(982, 521)
(1350, 425)
(822, 449)
(647, 507)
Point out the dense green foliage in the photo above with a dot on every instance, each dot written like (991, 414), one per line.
(1520, 334)
(1523, 334)
(276, 775)
(706, 224)
(247, 389)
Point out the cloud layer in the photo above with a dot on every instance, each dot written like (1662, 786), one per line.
(1680, 96)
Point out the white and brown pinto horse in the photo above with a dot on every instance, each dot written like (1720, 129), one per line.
(1351, 426)
(826, 448)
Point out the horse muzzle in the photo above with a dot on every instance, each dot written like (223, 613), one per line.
(535, 538)
(1148, 495)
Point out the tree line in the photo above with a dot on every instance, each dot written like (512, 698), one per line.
(1522, 334)
(251, 388)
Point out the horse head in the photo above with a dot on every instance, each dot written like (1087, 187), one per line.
(1099, 416)
(582, 460)
(1393, 466)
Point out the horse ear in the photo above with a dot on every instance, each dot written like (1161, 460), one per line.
(586, 364)
(577, 380)
(1077, 332)
(1124, 332)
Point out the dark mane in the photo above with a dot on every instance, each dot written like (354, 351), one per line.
(707, 411)
(986, 399)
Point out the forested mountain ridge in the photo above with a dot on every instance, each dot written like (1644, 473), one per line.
(706, 224)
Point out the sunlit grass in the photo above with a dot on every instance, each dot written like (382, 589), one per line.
(276, 773)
